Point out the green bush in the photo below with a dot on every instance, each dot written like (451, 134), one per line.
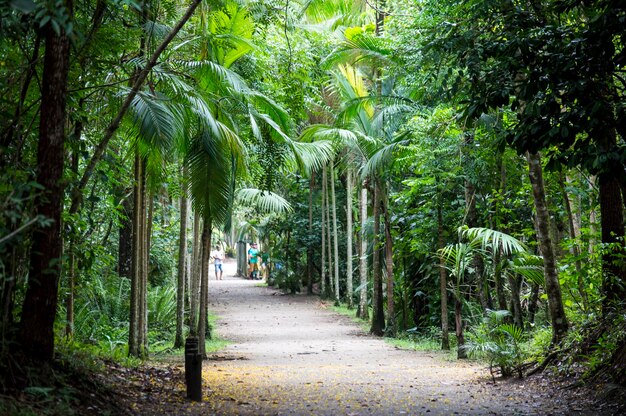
(499, 343)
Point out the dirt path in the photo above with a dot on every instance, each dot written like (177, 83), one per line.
(292, 356)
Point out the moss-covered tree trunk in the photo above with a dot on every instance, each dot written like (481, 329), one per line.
(553, 287)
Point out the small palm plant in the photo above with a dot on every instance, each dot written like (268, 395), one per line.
(500, 343)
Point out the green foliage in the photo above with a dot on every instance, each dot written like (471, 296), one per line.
(500, 343)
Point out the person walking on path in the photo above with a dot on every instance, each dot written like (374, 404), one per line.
(253, 254)
(218, 258)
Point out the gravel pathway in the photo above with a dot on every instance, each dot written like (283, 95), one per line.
(290, 355)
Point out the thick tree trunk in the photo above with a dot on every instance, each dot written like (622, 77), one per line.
(335, 235)
(182, 256)
(443, 283)
(553, 288)
(349, 234)
(378, 314)
(40, 302)
(362, 311)
(612, 222)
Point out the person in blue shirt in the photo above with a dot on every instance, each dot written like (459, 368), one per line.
(253, 254)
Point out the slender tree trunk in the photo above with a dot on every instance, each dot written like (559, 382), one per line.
(40, 302)
(335, 234)
(516, 304)
(323, 280)
(195, 276)
(148, 201)
(71, 289)
(134, 341)
(378, 314)
(362, 311)
(309, 250)
(553, 288)
(391, 314)
(458, 320)
(125, 246)
(329, 245)
(499, 281)
(443, 283)
(349, 234)
(204, 286)
(593, 216)
(182, 256)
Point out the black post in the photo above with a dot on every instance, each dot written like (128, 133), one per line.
(193, 370)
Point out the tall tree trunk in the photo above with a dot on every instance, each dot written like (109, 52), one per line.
(204, 286)
(134, 340)
(40, 302)
(323, 280)
(349, 234)
(378, 314)
(309, 250)
(194, 278)
(362, 311)
(593, 216)
(148, 201)
(71, 255)
(125, 246)
(391, 314)
(553, 288)
(443, 283)
(182, 256)
(335, 234)
(612, 222)
(329, 245)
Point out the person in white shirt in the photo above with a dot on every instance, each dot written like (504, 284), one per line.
(218, 258)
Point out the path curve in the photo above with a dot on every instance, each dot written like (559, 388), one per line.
(290, 355)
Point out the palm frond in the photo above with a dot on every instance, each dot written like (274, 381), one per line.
(365, 47)
(494, 239)
(158, 123)
(264, 201)
(210, 173)
(530, 267)
(382, 158)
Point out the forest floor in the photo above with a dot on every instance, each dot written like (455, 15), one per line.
(292, 355)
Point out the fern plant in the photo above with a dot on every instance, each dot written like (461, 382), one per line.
(500, 343)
